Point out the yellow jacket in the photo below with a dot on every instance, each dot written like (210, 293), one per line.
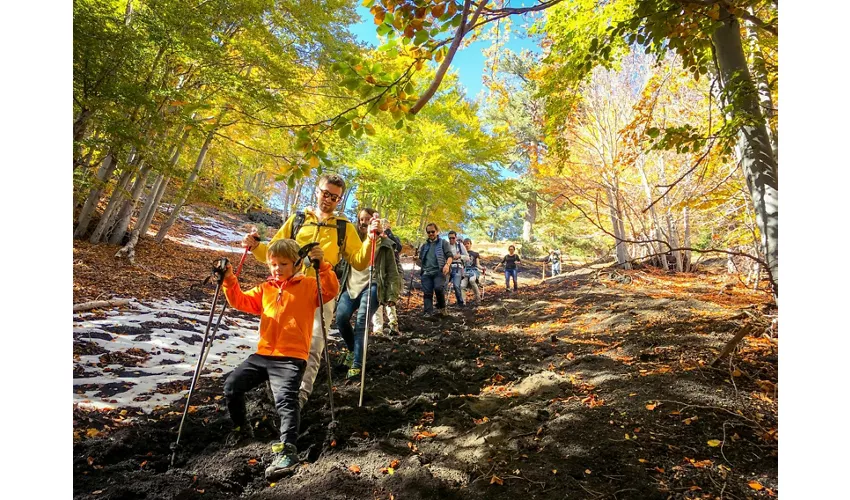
(355, 251)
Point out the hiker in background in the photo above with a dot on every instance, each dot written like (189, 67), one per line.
(390, 306)
(356, 290)
(434, 258)
(472, 272)
(286, 304)
(509, 261)
(338, 238)
(459, 260)
(554, 259)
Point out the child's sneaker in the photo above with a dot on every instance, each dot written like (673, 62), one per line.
(285, 461)
(238, 434)
(354, 373)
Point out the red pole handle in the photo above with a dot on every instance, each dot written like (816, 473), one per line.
(242, 260)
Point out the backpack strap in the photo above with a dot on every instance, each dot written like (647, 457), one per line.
(297, 223)
(340, 233)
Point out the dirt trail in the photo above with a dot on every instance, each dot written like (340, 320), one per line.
(568, 389)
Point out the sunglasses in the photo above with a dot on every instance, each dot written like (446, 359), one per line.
(327, 194)
(452, 238)
(431, 232)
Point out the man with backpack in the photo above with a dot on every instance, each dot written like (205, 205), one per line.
(459, 260)
(434, 258)
(338, 239)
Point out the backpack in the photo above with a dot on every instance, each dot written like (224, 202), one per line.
(300, 217)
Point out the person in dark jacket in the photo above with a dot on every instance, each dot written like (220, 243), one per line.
(509, 261)
(392, 313)
(434, 258)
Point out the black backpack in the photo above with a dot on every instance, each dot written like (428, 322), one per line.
(300, 217)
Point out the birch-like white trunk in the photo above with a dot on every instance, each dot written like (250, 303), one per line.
(687, 241)
(103, 173)
(616, 223)
(757, 158)
(190, 182)
(107, 219)
(129, 206)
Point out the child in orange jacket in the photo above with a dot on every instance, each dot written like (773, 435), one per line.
(286, 303)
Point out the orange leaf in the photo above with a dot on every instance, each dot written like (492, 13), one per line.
(651, 406)
(333, 443)
(496, 480)
(355, 469)
(394, 464)
(92, 433)
(252, 461)
(755, 485)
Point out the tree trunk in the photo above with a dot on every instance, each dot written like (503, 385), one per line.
(107, 219)
(103, 173)
(687, 242)
(152, 201)
(616, 223)
(160, 236)
(658, 234)
(126, 213)
(80, 130)
(530, 218)
(760, 75)
(674, 241)
(757, 159)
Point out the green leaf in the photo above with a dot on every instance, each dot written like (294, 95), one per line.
(383, 29)
(399, 124)
(652, 132)
(456, 20)
(420, 37)
(345, 131)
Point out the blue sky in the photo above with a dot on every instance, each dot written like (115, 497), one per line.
(468, 62)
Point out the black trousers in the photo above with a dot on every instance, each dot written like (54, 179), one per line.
(284, 374)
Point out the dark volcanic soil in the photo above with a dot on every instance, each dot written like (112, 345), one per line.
(569, 389)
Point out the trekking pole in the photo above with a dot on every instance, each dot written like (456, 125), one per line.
(218, 271)
(206, 351)
(483, 281)
(316, 264)
(368, 317)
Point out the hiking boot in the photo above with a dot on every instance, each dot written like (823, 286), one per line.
(354, 373)
(239, 434)
(284, 463)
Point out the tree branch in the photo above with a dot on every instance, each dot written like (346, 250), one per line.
(462, 30)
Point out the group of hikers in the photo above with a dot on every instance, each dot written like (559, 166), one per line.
(295, 317)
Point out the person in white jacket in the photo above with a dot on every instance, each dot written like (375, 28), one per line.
(460, 257)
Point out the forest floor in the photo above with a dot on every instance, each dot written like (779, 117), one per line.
(574, 387)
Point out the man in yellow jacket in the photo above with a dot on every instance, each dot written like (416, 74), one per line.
(320, 225)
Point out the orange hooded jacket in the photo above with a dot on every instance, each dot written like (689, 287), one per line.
(286, 309)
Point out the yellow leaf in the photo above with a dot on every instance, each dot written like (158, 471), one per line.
(642, 460)
(714, 443)
(651, 406)
(92, 433)
(314, 161)
(755, 485)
